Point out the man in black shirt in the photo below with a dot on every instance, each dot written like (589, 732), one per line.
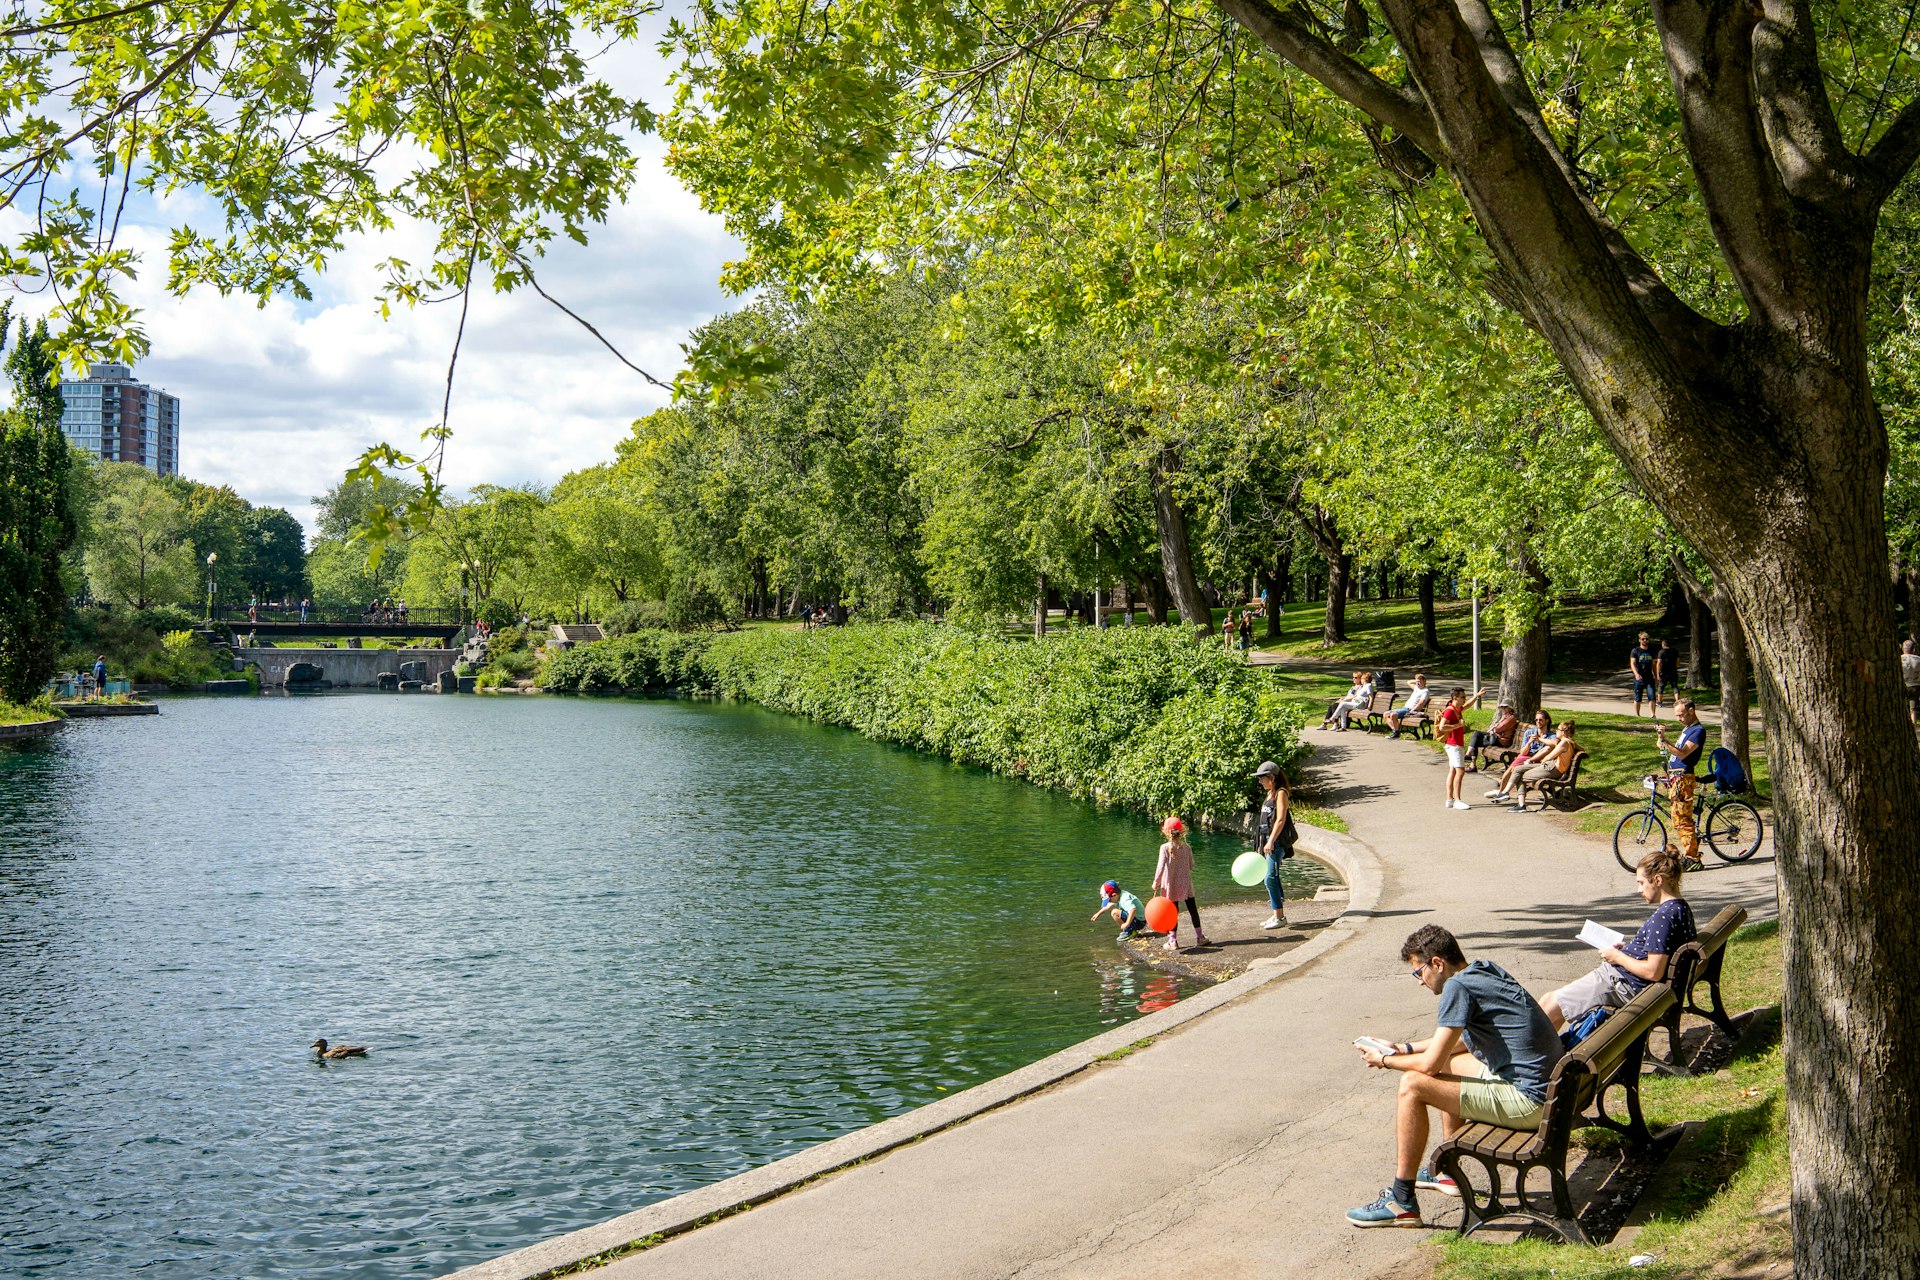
(1641, 661)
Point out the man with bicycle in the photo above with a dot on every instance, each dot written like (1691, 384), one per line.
(1683, 758)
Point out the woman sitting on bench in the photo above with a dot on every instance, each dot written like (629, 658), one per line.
(1534, 739)
(1626, 970)
(1553, 763)
(1356, 702)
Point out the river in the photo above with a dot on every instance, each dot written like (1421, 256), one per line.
(603, 952)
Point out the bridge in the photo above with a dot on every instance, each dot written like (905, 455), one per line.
(291, 620)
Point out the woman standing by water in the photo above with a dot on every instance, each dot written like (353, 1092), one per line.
(1271, 836)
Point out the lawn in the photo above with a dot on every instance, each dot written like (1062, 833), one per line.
(1720, 1215)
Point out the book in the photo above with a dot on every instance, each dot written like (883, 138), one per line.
(1599, 937)
(1379, 1046)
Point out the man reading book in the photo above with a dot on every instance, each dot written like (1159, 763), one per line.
(1501, 1079)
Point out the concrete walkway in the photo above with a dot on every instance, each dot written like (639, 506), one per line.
(1234, 1145)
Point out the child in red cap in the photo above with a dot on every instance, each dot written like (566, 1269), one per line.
(1173, 878)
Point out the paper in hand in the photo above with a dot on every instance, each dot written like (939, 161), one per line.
(1599, 937)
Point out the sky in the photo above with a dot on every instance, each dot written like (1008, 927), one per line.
(279, 401)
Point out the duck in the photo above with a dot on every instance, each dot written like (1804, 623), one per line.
(338, 1050)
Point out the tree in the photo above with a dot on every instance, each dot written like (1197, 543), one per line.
(276, 561)
(37, 516)
(1749, 421)
(137, 554)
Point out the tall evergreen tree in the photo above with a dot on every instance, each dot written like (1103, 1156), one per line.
(37, 516)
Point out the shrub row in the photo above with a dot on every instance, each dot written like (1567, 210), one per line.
(1143, 717)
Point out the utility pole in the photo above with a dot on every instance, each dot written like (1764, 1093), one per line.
(1476, 637)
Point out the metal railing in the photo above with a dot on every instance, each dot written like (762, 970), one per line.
(281, 615)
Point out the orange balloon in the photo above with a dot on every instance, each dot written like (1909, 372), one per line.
(1162, 915)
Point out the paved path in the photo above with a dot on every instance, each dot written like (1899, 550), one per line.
(1232, 1146)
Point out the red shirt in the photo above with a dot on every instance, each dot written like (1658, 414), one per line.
(1455, 725)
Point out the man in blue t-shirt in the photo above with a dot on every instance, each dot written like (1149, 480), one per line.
(1683, 758)
(1514, 1050)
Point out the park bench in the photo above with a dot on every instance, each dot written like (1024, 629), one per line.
(1692, 966)
(1607, 1060)
(1417, 723)
(1563, 788)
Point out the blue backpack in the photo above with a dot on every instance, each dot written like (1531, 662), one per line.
(1584, 1026)
(1724, 768)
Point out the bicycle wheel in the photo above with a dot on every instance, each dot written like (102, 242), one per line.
(1734, 830)
(1639, 832)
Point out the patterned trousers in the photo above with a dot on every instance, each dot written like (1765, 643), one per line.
(1686, 839)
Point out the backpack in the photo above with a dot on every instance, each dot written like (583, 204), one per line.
(1584, 1026)
(1724, 768)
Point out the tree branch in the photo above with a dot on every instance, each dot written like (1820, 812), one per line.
(1893, 157)
(1709, 47)
(1290, 36)
(1815, 164)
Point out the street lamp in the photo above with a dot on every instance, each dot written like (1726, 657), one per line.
(211, 557)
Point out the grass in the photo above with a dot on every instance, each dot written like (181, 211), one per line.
(1125, 1051)
(15, 713)
(1714, 1218)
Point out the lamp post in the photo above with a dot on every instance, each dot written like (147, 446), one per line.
(211, 557)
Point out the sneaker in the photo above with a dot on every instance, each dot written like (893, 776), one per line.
(1171, 944)
(1385, 1212)
(1496, 794)
(1692, 864)
(1201, 941)
(1431, 1181)
(1458, 804)
(1519, 807)
(1275, 921)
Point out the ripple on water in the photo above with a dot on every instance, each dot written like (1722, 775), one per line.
(604, 953)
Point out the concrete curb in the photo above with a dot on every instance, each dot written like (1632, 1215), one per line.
(1355, 862)
(31, 729)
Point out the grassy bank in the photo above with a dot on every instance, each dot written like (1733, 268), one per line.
(15, 713)
(1144, 717)
(1714, 1215)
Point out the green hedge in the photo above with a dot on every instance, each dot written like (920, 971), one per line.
(1143, 717)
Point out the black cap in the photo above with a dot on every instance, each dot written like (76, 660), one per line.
(1266, 770)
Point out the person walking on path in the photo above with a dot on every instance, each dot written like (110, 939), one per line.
(1453, 733)
(1666, 670)
(1683, 758)
(1504, 1083)
(1641, 663)
(1173, 879)
(1274, 835)
(1910, 676)
(1626, 970)
(1246, 630)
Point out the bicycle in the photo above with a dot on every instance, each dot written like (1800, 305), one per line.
(1730, 825)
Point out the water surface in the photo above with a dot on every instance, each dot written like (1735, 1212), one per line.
(604, 952)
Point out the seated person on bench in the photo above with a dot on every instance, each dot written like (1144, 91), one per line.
(1355, 703)
(1534, 739)
(1514, 1050)
(1626, 970)
(1497, 734)
(1416, 705)
(1553, 763)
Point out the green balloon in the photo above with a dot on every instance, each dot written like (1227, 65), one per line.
(1250, 868)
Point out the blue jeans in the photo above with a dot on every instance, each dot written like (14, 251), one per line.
(1276, 893)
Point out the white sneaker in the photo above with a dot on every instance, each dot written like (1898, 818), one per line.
(1496, 794)
(1458, 804)
(1274, 922)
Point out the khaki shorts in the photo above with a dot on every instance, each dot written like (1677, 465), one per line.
(1491, 1100)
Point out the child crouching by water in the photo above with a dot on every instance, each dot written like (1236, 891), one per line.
(1126, 909)
(1173, 878)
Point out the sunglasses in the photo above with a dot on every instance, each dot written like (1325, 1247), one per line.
(1420, 969)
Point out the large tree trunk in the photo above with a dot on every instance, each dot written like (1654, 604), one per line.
(1274, 579)
(1156, 592)
(1523, 655)
(1913, 605)
(1699, 641)
(1429, 626)
(1176, 557)
(1333, 630)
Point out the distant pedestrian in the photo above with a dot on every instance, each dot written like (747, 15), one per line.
(1125, 908)
(1230, 631)
(253, 609)
(303, 610)
(1910, 676)
(100, 676)
(1641, 661)
(1173, 878)
(1666, 670)
(1453, 733)
(1273, 836)
(1246, 631)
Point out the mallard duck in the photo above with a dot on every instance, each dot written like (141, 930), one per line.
(339, 1050)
